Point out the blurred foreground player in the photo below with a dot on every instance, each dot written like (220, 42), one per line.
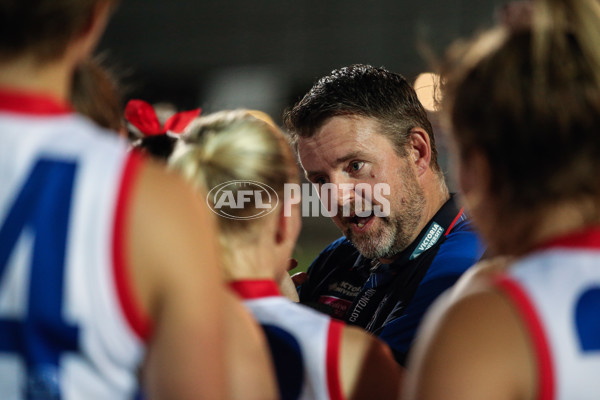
(91, 297)
(529, 158)
(316, 356)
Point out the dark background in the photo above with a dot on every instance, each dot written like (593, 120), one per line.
(266, 54)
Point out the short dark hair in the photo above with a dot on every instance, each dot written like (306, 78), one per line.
(41, 27)
(365, 91)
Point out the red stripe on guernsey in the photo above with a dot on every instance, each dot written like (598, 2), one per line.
(460, 213)
(31, 103)
(534, 326)
(255, 289)
(585, 239)
(138, 322)
(334, 342)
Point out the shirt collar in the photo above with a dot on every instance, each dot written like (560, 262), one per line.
(255, 289)
(588, 238)
(37, 104)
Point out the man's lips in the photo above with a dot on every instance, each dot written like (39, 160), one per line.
(359, 224)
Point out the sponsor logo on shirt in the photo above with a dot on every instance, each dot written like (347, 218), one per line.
(433, 235)
(361, 304)
(338, 306)
(344, 288)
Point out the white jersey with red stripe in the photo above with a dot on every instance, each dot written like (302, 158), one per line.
(557, 292)
(69, 328)
(305, 344)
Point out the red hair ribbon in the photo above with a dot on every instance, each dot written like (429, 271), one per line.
(142, 115)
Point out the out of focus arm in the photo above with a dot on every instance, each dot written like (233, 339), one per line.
(174, 266)
(472, 348)
(368, 369)
(287, 287)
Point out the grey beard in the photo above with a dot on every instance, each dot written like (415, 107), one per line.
(397, 232)
(383, 244)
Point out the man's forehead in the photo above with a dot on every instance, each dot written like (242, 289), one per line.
(349, 133)
(342, 127)
(330, 149)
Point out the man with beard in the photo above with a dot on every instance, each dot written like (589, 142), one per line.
(365, 125)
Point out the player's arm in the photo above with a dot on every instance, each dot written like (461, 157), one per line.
(367, 368)
(173, 258)
(287, 288)
(205, 344)
(471, 348)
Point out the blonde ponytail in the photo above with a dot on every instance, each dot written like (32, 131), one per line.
(239, 145)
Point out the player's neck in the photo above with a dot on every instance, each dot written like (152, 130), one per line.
(25, 74)
(249, 261)
(546, 223)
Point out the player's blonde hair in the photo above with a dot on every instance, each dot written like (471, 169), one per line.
(238, 145)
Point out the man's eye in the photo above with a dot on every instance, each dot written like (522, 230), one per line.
(356, 165)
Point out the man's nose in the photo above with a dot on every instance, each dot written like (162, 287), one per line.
(344, 192)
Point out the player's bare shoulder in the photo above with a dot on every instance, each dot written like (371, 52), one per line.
(467, 335)
(368, 368)
(479, 276)
(169, 239)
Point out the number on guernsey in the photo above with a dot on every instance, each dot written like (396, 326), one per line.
(41, 336)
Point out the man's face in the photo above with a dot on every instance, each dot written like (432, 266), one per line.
(350, 150)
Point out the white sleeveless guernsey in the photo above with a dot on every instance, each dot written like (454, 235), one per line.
(557, 292)
(305, 344)
(69, 326)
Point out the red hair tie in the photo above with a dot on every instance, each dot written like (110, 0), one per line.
(142, 115)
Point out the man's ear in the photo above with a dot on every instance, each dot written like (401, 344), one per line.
(419, 149)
